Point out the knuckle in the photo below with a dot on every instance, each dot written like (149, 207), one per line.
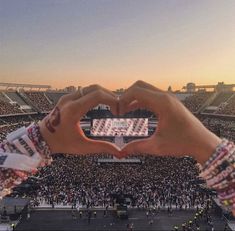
(139, 83)
(95, 86)
(62, 99)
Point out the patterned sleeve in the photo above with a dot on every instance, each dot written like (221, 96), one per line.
(21, 153)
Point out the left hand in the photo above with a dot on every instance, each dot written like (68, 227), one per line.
(61, 128)
(178, 132)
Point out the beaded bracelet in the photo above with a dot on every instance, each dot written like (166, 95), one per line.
(219, 173)
(227, 167)
(220, 163)
(216, 153)
(220, 154)
(221, 176)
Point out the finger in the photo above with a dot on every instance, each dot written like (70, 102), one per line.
(89, 101)
(137, 147)
(82, 92)
(152, 100)
(135, 105)
(141, 83)
(96, 87)
(71, 96)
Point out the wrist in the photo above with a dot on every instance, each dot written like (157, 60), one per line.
(208, 147)
(41, 144)
(48, 137)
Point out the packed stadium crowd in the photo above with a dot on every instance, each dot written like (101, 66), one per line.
(221, 127)
(7, 108)
(157, 182)
(228, 108)
(11, 123)
(40, 101)
(195, 101)
(45, 101)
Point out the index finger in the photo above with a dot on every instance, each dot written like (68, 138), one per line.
(141, 83)
(152, 100)
(89, 101)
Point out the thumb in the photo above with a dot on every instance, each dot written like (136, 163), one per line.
(137, 147)
(97, 146)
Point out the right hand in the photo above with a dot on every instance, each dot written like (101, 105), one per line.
(178, 132)
(61, 128)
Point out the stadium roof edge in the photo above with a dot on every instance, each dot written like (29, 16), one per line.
(17, 85)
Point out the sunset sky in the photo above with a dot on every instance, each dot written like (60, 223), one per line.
(116, 42)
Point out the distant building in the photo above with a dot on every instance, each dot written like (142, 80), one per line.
(190, 87)
(224, 87)
(70, 89)
(221, 86)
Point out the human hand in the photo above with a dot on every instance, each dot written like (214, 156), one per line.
(178, 132)
(61, 128)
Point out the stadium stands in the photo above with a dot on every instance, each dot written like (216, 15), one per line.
(6, 107)
(156, 182)
(40, 100)
(13, 95)
(11, 123)
(54, 96)
(228, 108)
(221, 98)
(14, 102)
(195, 101)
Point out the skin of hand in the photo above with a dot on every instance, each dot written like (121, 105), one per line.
(178, 132)
(61, 128)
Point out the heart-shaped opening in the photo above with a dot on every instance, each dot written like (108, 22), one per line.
(101, 124)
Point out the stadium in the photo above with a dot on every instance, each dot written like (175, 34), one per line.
(101, 192)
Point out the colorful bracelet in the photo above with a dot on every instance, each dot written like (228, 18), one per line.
(220, 154)
(216, 153)
(219, 173)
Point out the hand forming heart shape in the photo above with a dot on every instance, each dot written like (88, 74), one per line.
(178, 132)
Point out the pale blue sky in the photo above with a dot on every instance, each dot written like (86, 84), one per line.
(115, 42)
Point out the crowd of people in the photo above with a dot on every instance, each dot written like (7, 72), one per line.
(156, 182)
(224, 101)
(7, 108)
(11, 123)
(45, 102)
(195, 101)
(228, 108)
(40, 100)
(221, 127)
